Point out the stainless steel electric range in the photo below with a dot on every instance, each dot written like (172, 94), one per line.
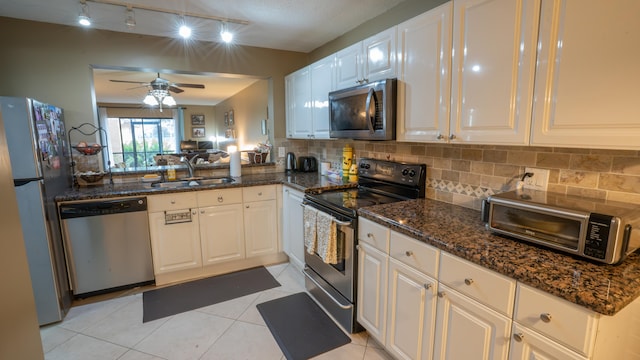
(380, 182)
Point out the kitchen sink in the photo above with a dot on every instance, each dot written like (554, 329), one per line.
(193, 182)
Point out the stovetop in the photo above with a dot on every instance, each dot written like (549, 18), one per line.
(381, 182)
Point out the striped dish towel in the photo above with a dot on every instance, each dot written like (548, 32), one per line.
(309, 216)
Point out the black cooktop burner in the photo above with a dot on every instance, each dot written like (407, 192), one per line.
(354, 198)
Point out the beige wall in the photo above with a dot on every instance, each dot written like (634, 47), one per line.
(19, 333)
(249, 107)
(209, 122)
(53, 63)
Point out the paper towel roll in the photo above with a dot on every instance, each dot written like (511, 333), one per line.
(234, 164)
(324, 168)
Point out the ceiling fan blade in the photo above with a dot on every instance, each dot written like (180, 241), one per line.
(194, 86)
(175, 89)
(138, 87)
(131, 82)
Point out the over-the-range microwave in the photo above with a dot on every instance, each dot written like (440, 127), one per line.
(596, 229)
(364, 112)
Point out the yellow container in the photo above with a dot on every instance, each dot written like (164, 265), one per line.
(171, 174)
(347, 157)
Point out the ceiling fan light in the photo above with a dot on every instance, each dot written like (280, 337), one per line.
(150, 100)
(169, 101)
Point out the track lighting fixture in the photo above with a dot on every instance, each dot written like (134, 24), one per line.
(225, 34)
(184, 30)
(84, 19)
(130, 20)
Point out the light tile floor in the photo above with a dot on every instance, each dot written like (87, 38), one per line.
(112, 329)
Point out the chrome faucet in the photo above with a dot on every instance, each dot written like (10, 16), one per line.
(190, 163)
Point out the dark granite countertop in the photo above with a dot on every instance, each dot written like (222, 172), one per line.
(605, 289)
(306, 182)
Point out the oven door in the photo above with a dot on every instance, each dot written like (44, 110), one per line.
(340, 276)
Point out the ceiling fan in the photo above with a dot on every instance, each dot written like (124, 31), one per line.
(163, 84)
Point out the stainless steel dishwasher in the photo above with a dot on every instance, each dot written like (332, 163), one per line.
(107, 244)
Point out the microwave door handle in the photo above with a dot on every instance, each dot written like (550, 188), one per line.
(371, 119)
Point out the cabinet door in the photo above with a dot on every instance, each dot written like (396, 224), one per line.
(424, 89)
(411, 312)
(466, 329)
(493, 68)
(298, 99)
(261, 228)
(322, 82)
(293, 229)
(372, 290)
(380, 56)
(529, 345)
(349, 66)
(221, 233)
(175, 243)
(587, 77)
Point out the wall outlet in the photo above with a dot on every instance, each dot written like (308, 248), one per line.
(539, 180)
(281, 150)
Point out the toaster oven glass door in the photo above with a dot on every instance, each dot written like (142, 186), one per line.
(551, 229)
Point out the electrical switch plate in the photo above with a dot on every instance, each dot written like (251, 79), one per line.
(538, 181)
(281, 150)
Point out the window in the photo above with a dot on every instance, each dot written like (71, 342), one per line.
(135, 141)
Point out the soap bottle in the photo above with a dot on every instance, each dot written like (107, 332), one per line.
(353, 170)
(171, 173)
(347, 158)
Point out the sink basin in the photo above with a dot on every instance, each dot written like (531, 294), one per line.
(170, 184)
(215, 181)
(186, 183)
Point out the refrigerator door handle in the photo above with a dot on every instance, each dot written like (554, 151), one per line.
(21, 182)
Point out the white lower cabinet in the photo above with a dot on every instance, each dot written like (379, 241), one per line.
(372, 290)
(261, 220)
(175, 243)
(466, 329)
(221, 233)
(292, 226)
(411, 310)
(526, 344)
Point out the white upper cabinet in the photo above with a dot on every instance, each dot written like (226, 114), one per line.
(368, 60)
(424, 71)
(298, 102)
(587, 81)
(323, 81)
(307, 100)
(493, 69)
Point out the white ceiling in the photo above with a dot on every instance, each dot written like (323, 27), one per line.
(295, 25)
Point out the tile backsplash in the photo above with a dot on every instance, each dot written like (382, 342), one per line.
(466, 174)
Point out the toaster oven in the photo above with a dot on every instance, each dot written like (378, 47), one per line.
(596, 229)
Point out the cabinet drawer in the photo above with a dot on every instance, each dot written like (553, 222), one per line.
(219, 197)
(259, 193)
(559, 319)
(488, 287)
(373, 234)
(173, 201)
(414, 253)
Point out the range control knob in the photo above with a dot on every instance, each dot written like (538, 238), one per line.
(405, 172)
(412, 173)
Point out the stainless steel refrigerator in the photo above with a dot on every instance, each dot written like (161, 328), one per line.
(39, 156)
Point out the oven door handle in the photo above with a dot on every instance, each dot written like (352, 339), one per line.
(345, 307)
(342, 223)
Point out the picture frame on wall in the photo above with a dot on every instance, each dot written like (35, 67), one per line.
(231, 118)
(226, 119)
(197, 119)
(197, 132)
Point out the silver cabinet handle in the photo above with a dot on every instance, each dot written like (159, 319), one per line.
(518, 337)
(441, 294)
(440, 137)
(545, 317)
(369, 235)
(194, 212)
(408, 253)
(173, 202)
(468, 281)
(220, 198)
(427, 286)
(260, 193)
(452, 136)
(247, 206)
(201, 211)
